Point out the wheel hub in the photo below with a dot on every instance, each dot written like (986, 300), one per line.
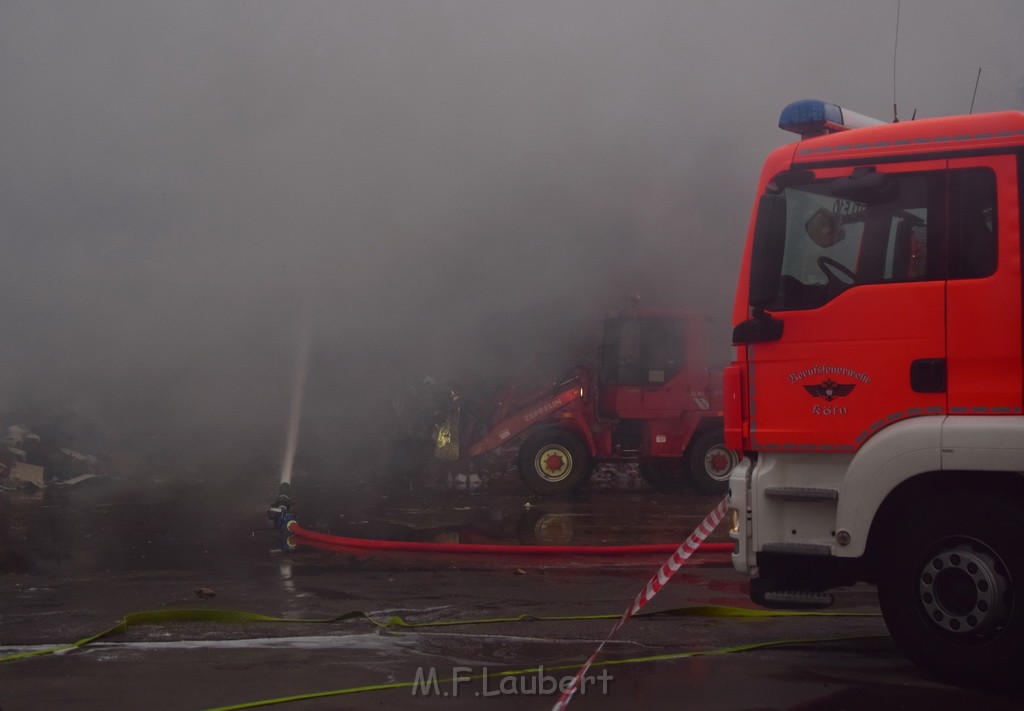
(965, 591)
(554, 463)
(718, 463)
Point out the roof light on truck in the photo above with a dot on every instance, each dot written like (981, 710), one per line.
(811, 117)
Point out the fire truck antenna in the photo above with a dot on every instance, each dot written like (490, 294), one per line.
(895, 45)
(974, 96)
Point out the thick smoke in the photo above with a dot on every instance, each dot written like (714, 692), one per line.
(457, 189)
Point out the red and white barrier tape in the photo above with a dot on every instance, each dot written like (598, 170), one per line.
(653, 587)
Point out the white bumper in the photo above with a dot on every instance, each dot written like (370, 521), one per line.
(743, 558)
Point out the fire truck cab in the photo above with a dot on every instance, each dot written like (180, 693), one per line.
(876, 391)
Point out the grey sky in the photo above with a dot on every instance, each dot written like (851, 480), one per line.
(449, 187)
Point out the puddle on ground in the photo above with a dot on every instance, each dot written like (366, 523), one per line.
(184, 527)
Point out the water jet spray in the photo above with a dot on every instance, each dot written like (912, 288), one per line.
(295, 413)
(279, 511)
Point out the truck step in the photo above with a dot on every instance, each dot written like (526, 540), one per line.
(802, 493)
(777, 594)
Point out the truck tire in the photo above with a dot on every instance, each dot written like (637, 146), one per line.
(951, 589)
(664, 476)
(553, 462)
(709, 462)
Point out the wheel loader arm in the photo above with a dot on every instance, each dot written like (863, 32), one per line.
(525, 417)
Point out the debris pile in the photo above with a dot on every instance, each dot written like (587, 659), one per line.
(30, 464)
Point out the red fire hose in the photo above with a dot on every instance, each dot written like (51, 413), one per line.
(301, 533)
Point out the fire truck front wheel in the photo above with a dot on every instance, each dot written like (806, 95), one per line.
(553, 462)
(709, 463)
(951, 589)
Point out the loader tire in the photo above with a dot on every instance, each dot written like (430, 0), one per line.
(709, 463)
(553, 462)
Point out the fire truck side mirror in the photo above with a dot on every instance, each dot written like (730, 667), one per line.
(767, 249)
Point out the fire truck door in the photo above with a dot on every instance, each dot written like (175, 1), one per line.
(862, 306)
(983, 291)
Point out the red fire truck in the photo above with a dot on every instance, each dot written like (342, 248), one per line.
(652, 400)
(877, 389)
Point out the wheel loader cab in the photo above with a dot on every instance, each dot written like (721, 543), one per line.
(638, 352)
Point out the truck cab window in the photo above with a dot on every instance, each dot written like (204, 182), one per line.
(620, 352)
(838, 237)
(661, 349)
(641, 351)
(972, 252)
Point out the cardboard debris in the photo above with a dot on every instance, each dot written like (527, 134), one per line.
(27, 475)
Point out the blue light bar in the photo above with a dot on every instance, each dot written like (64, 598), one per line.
(811, 117)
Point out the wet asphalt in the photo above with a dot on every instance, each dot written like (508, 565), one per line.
(74, 562)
